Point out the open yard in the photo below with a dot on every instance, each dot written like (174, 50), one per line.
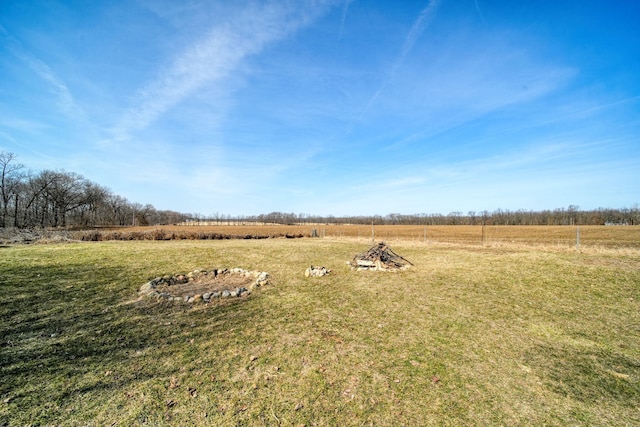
(471, 335)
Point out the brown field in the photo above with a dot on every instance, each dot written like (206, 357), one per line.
(589, 236)
(471, 335)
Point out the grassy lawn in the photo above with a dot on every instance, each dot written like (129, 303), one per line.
(472, 335)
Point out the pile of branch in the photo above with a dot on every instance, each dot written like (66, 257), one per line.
(379, 257)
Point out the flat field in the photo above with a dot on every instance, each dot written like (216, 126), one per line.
(472, 335)
(592, 236)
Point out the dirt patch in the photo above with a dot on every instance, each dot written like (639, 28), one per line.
(206, 283)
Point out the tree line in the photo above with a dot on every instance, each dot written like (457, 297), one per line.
(572, 215)
(53, 198)
(65, 199)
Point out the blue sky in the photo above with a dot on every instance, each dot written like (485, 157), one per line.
(339, 107)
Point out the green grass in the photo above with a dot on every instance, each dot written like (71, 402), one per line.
(470, 336)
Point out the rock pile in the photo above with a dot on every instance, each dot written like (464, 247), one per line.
(204, 285)
(379, 257)
(316, 271)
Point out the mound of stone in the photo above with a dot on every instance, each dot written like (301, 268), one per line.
(379, 257)
(204, 285)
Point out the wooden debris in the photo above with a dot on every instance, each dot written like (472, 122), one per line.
(379, 257)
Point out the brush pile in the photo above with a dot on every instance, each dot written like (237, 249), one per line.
(379, 257)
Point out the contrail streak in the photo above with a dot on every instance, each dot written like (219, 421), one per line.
(424, 19)
(345, 8)
(479, 11)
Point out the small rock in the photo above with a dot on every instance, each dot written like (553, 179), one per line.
(316, 271)
(147, 287)
(262, 279)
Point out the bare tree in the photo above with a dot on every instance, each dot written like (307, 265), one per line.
(11, 177)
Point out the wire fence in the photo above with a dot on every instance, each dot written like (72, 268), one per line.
(578, 236)
(563, 236)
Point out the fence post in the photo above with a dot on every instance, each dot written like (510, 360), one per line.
(577, 238)
(373, 236)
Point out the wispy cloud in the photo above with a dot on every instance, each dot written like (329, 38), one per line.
(343, 19)
(8, 137)
(422, 21)
(471, 84)
(64, 99)
(214, 57)
(479, 11)
(524, 177)
(15, 143)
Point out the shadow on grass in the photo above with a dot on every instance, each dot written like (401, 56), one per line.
(76, 330)
(589, 375)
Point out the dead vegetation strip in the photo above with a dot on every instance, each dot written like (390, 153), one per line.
(551, 236)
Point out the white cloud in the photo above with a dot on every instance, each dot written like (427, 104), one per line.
(343, 18)
(63, 96)
(213, 58)
(422, 21)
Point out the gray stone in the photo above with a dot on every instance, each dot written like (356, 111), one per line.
(262, 279)
(147, 287)
(316, 271)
